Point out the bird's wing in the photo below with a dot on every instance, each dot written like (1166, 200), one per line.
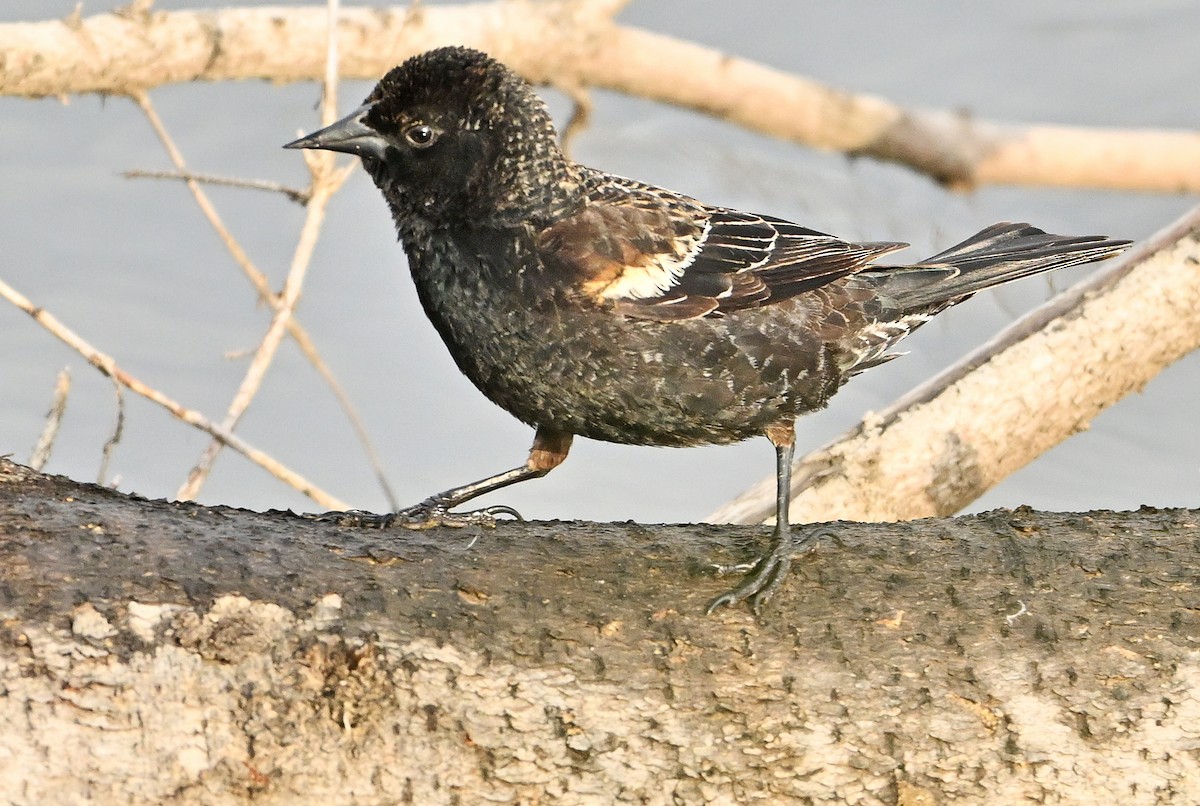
(653, 254)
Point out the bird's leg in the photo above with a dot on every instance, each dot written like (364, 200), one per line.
(772, 568)
(549, 450)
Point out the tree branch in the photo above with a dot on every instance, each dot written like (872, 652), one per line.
(579, 44)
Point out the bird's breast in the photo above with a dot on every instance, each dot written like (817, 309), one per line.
(585, 369)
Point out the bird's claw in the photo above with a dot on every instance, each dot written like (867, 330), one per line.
(764, 577)
(726, 570)
(428, 514)
(760, 584)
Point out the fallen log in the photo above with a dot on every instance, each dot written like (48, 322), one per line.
(174, 653)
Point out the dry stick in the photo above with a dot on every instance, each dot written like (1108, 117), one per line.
(45, 443)
(118, 432)
(295, 330)
(1038, 382)
(578, 43)
(108, 366)
(325, 182)
(256, 277)
(953, 147)
(329, 81)
(296, 195)
(267, 348)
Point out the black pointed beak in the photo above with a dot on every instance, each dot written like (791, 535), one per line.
(351, 134)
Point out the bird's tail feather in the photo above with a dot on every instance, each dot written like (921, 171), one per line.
(999, 254)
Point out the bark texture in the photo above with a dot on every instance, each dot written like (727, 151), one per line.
(153, 652)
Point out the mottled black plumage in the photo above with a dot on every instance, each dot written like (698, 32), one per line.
(588, 304)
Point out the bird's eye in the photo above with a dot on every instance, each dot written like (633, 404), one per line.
(421, 135)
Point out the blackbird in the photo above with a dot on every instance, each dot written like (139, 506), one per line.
(588, 304)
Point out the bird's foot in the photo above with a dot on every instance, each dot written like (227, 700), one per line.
(429, 514)
(764, 577)
(432, 513)
(761, 582)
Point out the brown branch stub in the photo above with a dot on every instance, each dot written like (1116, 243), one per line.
(581, 114)
(578, 43)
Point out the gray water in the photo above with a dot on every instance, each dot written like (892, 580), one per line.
(133, 268)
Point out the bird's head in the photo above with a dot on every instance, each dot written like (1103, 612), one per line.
(453, 135)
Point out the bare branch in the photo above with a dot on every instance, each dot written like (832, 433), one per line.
(579, 43)
(45, 443)
(325, 182)
(259, 281)
(1037, 383)
(329, 79)
(118, 432)
(106, 364)
(295, 194)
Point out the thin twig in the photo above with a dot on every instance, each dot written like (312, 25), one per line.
(325, 182)
(261, 285)
(45, 443)
(118, 432)
(295, 194)
(329, 105)
(329, 86)
(267, 348)
(106, 364)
